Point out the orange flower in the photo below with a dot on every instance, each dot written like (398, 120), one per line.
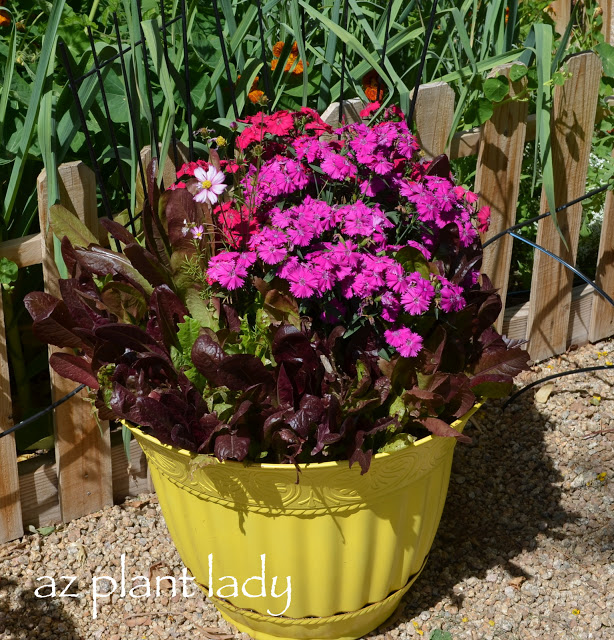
(5, 16)
(255, 96)
(277, 49)
(369, 86)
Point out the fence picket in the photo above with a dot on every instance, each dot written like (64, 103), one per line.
(608, 21)
(433, 117)
(498, 181)
(83, 451)
(573, 119)
(602, 315)
(10, 505)
(562, 14)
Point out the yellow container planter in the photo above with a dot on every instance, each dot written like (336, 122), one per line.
(333, 552)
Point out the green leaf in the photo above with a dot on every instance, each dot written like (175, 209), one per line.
(7, 78)
(44, 443)
(65, 223)
(606, 53)
(188, 331)
(202, 310)
(413, 260)
(438, 634)
(543, 45)
(518, 71)
(35, 97)
(495, 89)
(8, 271)
(44, 531)
(126, 438)
(478, 112)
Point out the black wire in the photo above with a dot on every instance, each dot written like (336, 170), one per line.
(427, 39)
(565, 264)
(36, 416)
(589, 194)
(552, 377)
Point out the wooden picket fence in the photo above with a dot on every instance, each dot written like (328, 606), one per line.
(89, 469)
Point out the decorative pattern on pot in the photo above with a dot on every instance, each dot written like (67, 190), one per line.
(278, 488)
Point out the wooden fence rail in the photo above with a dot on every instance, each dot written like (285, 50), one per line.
(90, 470)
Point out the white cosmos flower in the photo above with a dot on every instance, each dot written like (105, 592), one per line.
(211, 184)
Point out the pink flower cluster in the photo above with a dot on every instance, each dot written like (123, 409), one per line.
(337, 218)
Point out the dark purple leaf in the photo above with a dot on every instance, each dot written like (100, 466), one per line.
(118, 231)
(74, 368)
(440, 428)
(363, 458)
(81, 313)
(241, 410)
(506, 364)
(125, 336)
(148, 265)
(207, 356)
(102, 262)
(440, 166)
(170, 311)
(231, 446)
(310, 412)
(232, 318)
(285, 392)
(52, 321)
(241, 371)
(70, 258)
(292, 346)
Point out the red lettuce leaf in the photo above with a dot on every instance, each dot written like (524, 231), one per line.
(74, 368)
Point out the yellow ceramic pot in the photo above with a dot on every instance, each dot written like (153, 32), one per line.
(331, 550)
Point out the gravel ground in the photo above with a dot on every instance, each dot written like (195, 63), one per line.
(525, 548)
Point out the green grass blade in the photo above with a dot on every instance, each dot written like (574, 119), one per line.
(231, 24)
(324, 97)
(252, 68)
(350, 39)
(7, 78)
(543, 46)
(562, 48)
(461, 32)
(511, 26)
(28, 128)
(378, 47)
(295, 18)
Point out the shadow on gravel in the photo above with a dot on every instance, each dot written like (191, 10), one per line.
(33, 617)
(501, 496)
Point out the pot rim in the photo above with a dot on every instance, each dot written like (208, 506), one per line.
(302, 465)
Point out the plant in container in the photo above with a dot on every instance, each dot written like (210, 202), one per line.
(297, 344)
